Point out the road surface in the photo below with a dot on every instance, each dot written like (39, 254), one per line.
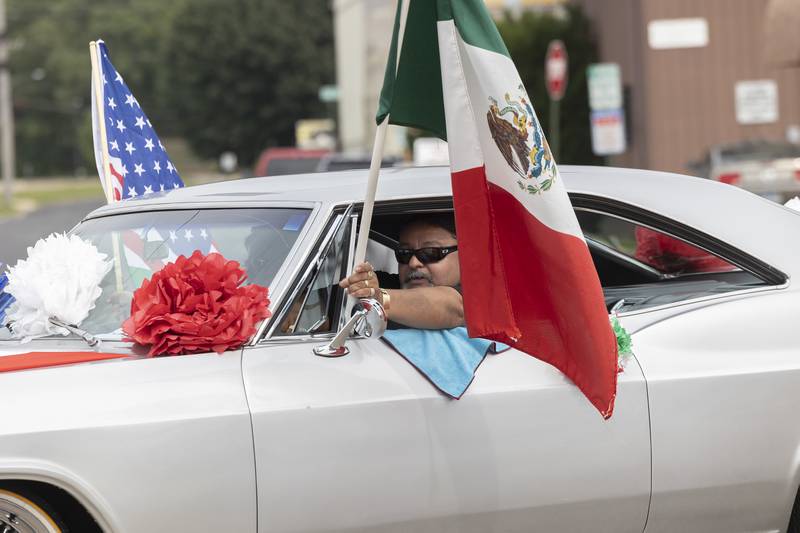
(17, 234)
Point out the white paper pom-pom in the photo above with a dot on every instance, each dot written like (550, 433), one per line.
(60, 279)
(794, 203)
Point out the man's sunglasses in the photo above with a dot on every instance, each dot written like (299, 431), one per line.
(425, 255)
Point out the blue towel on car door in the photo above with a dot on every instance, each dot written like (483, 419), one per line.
(447, 357)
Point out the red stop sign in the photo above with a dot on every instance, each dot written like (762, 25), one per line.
(555, 69)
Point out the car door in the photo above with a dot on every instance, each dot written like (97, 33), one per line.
(365, 443)
(714, 332)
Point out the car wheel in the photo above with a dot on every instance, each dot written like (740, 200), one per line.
(794, 519)
(21, 514)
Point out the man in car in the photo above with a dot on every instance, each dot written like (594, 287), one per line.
(430, 293)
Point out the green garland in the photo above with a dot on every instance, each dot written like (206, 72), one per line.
(624, 342)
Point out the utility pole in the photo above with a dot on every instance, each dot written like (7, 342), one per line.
(6, 111)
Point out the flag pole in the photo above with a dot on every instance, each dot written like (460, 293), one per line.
(106, 177)
(101, 119)
(372, 187)
(377, 155)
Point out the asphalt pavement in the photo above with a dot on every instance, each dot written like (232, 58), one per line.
(16, 234)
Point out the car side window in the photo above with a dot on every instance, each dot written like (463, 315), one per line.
(665, 254)
(315, 309)
(641, 267)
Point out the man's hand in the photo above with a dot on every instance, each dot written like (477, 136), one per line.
(423, 307)
(362, 283)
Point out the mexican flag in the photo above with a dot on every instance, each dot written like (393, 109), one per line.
(526, 272)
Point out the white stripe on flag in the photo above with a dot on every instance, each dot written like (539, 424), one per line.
(462, 137)
(470, 76)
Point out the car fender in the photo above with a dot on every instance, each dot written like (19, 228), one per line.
(58, 476)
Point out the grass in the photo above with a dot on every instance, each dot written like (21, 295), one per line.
(31, 194)
(79, 190)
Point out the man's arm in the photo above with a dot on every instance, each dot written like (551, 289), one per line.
(426, 307)
(422, 307)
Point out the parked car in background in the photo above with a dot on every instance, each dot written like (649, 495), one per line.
(339, 161)
(767, 168)
(282, 161)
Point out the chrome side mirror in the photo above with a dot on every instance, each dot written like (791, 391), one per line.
(369, 320)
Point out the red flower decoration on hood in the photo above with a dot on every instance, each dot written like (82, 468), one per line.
(195, 305)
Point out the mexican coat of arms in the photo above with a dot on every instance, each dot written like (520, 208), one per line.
(521, 142)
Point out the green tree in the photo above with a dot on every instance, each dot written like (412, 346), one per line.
(243, 71)
(527, 37)
(51, 70)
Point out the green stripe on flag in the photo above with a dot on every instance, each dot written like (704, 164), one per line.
(413, 97)
(475, 25)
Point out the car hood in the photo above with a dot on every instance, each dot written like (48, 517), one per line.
(17, 356)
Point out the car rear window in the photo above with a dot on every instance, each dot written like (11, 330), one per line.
(643, 267)
(662, 252)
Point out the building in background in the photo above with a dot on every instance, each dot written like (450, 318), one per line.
(695, 74)
(362, 32)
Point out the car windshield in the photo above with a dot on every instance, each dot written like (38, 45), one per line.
(140, 244)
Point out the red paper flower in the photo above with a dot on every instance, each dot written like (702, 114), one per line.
(196, 305)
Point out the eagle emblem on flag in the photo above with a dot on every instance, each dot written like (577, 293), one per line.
(518, 135)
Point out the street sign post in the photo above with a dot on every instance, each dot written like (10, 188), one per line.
(606, 103)
(555, 69)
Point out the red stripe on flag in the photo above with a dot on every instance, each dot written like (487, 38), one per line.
(553, 290)
(487, 307)
(26, 361)
(120, 182)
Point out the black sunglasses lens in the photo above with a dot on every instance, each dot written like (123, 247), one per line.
(425, 255)
(403, 256)
(429, 255)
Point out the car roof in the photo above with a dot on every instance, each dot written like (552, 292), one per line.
(753, 224)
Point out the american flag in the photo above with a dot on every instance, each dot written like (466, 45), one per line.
(139, 162)
(5, 299)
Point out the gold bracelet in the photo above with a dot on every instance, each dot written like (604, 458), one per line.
(385, 299)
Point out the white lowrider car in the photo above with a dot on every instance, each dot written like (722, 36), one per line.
(705, 436)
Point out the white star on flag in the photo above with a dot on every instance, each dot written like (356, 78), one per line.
(148, 143)
(157, 168)
(188, 235)
(129, 99)
(114, 145)
(120, 126)
(111, 103)
(138, 170)
(173, 236)
(129, 148)
(170, 167)
(132, 192)
(140, 122)
(148, 190)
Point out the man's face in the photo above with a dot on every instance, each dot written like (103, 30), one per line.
(441, 273)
